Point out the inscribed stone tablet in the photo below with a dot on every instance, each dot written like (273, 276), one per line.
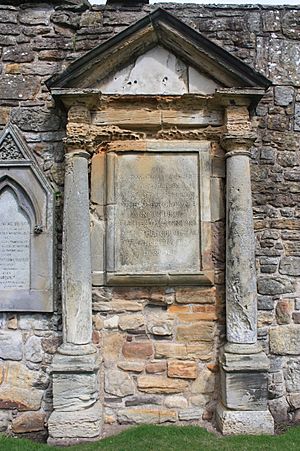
(14, 244)
(157, 213)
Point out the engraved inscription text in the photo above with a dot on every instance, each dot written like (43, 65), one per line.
(157, 213)
(14, 244)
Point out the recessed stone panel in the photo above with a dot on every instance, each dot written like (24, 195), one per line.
(157, 213)
(168, 75)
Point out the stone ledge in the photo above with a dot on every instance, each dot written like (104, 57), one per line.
(244, 362)
(63, 363)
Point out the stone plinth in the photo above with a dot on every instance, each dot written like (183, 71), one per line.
(243, 407)
(77, 414)
(244, 422)
(244, 380)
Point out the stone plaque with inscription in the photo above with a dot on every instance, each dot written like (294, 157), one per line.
(155, 215)
(26, 229)
(14, 244)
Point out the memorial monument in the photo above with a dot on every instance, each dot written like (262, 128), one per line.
(137, 166)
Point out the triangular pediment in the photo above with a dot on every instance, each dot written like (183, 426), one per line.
(12, 145)
(158, 71)
(15, 152)
(157, 44)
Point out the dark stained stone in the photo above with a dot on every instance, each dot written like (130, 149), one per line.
(36, 119)
(274, 285)
(291, 24)
(19, 54)
(290, 266)
(18, 87)
(284, 95)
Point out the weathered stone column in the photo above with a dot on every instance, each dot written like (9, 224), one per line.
(77, 413)
(243, 406)
(77, 283)
(241, 305)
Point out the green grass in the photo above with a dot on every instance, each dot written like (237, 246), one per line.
(169, 438)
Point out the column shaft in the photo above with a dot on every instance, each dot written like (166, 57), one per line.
(77, 296)
(241, 302)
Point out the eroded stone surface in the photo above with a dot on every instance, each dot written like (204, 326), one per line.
(205, 383)
(16, 390)
(284, 340)
(138, 350)
(33, 349)
(160, 325)
(193, 413)
(83, 424)
(170, 75)
(29, 422)
(5, 417)
(11, 345)
(118, 383)
(290, 266)
(292, 375)
(245, 422)
(182, 369)
(156, 219)
(146, 415)
(160, 384)
(131, 322)
(195, 295)
(71, 393)
(198, 331)
(176, 401)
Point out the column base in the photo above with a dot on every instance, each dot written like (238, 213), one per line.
(72, 349)
(77, 414)
(73, 427)
(243, 407)
(250, 422)
(244, 380)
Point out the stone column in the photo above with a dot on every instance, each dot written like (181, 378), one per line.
(243, 406)
(241, 296)
(77, 284)
(77, 412)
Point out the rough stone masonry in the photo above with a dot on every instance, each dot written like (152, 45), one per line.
(135, 349)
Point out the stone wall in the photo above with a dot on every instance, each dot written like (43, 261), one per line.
(150, 335)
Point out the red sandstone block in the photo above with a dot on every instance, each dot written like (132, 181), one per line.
(137, 350)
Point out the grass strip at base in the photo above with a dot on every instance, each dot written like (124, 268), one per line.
(168, 438)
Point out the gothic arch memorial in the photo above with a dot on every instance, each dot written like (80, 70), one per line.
(26, 220)
(154, 117)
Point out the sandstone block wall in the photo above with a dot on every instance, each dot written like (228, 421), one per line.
(159, 364)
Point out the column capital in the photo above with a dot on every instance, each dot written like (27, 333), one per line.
(237, 144)
(78, 128)
(77, 144)
(77, 153)
(79, 113)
